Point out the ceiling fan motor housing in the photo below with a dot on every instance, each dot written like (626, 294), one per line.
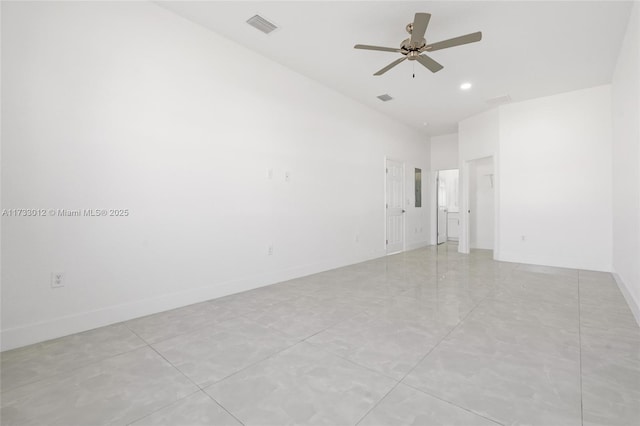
(407, 47)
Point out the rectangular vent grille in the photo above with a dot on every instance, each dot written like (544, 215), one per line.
(504, 99)
(261, 24)
(385, 97)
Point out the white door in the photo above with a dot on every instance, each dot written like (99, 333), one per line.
(394, 207)
(453, 226)
(442, 225)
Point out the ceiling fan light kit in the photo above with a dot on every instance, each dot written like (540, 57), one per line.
(414, 47)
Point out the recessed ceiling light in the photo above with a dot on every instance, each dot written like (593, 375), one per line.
(465, 86)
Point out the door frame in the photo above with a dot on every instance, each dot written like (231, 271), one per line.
(463, 240)
(404, 221)
(435, 178)
(438, 211)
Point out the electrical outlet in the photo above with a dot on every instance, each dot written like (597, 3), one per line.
(269, 173)
(57, 279)
(523, 238)
(357, 238)
(270, 250)
(287, 176)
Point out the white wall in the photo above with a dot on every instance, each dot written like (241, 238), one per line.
(481, 203)
(122, 105)
(552, 162)
(626, 164)
(555, 174)
(444, 152)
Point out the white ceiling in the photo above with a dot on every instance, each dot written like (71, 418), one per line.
(528, 50)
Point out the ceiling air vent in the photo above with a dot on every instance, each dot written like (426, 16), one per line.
(385, 97)
(261, 24)
(504, 99)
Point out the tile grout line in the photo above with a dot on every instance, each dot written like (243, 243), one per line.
(442, 339)
(150, 346)
(453, 404)
(580, 346)
(198, 385)
(434, 348)
(210, 304)
(163, 407)
(376, 404)
(74, 369)
(193, 330)
(304, 340)
(215, 382)
(391, 297)
(221, 406)
(174, 367)
(420, 361)
(200, 388)
(352, 362)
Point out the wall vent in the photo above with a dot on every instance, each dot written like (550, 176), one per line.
(385, 97)
(504, 99)
(261, 24)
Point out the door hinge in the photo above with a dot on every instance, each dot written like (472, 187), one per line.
(387, 206)
(386, 170)
(386, 241)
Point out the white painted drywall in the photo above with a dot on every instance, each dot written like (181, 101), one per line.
(626, 163)
(123, 105)
(444, 152)
(555, 180)
(481, 203)
(552, 163)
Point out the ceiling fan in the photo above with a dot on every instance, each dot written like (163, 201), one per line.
(413, 47)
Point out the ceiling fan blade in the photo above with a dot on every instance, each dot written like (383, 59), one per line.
(391, 65)
(420, 23)
(432, 65)
(456, 41)
(383, 49)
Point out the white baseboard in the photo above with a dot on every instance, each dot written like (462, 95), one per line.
(63, 326)
(544, 261)
(633, 305)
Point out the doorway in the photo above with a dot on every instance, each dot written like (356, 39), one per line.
(481, 204)
(394, 194)
(447, 204)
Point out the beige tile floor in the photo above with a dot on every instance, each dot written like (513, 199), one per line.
(427, 337)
